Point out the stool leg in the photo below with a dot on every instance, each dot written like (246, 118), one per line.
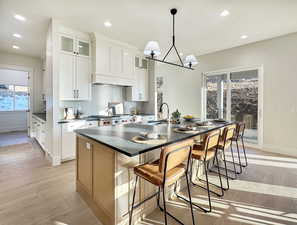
(190, 198)
(243, 147)
(207, 184)
(132, 207)
(219, 172)
(239, 160)
(226, 171)
(235, 171)
(164, 202)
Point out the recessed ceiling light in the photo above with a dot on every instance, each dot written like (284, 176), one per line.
(15, 47)
(243, 36)
(181, 54)
(17, 35)
(107, 24)
(225, 13)
(19, 17)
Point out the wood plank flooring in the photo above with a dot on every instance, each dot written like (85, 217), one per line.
(34, 193)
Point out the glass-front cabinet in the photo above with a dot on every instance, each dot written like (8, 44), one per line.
(67, 44)
(74, 46)
(83, 48)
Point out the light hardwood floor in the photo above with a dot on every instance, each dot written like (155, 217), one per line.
(34, 193)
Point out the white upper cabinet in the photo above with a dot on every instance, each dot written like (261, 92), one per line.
(67, 78)
(113, 62)
(140, 90)
(75, 68)
(83, 78)
(83, 48)
(128, 65)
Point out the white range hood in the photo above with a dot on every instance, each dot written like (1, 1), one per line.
(113, 61)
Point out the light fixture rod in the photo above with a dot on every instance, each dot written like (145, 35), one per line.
(173, 12)
(170, 63)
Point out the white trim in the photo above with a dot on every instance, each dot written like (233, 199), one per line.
(30, 71)
(227, 71)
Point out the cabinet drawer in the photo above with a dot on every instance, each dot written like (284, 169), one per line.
(71, 126)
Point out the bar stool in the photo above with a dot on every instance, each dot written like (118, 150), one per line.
(204, 152)
(239, 133)
(225, 142)
(165, 172)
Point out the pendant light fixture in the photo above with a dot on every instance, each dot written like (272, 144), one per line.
(152, 50)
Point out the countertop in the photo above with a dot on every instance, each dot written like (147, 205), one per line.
(119, 137)
(90, 118)
(41, 116)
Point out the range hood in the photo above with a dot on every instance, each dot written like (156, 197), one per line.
(113, 61)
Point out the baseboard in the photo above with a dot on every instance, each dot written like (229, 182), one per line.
(280, 150)
(9, 130)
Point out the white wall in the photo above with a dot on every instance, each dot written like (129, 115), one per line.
(278, 57)
(181, 89)
(29, 62)
(13, 121)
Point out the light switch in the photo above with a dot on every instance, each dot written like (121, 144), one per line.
(88, 146)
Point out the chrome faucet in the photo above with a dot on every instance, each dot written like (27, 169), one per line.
(161, 110)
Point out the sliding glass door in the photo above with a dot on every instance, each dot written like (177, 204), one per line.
(234, 95)
(216, 92)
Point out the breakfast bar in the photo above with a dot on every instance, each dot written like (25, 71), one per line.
(105, 157)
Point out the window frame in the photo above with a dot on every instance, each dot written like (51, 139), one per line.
(19, 110)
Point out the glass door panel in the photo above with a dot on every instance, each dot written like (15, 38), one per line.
(67, 44)
(244, 102)
(216, 96)
(83, 48)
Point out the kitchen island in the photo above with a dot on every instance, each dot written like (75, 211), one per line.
(105, 159)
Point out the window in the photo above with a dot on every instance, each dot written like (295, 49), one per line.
(14, 97)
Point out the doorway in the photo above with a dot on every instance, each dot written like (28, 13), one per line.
(14, 101)
(235, 95)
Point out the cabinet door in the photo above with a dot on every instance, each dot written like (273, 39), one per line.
(102, 58)
(116, 60)
(83, 77)
(143, 85)
(128, 65)
(83, 48)
(84, 164)
(68, 143)
(67, 78)
(67, 44)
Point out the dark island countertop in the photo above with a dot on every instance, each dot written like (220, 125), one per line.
(120, 137)
(41, 116)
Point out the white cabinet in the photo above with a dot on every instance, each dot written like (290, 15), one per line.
(113, 62)
(139, 91)
(38, 131)
(75, 69)
(128, 65)
(68, 137)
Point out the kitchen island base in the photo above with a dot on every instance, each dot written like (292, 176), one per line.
(105, 180)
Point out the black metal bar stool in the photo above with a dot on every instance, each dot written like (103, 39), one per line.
(165, 172)
(204, 152)
(225, 142)
(239, 134)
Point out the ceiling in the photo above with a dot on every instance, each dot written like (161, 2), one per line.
(199, 27)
